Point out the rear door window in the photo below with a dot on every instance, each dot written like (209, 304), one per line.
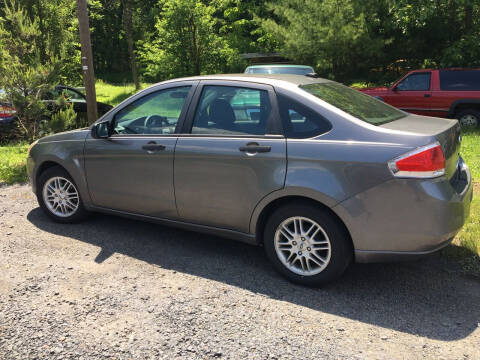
(229, 110)
(460, 80)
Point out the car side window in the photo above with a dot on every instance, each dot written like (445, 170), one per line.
(72, 95)
(460, 80)
(228, 110)
(415, 82)
(299, 121)
(156, 113)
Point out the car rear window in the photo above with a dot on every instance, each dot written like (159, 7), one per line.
(353, 102)
(280, 70)
(460, 80)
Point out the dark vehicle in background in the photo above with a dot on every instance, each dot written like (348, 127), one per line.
(448, 93)
(78, 100)
(316, 172)
(279, 69)
(7, 112)
(8, 129)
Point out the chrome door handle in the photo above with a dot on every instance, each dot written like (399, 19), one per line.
(152, 146)
(254, 147)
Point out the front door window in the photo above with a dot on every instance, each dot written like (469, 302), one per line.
(156, 113)
(415, 82)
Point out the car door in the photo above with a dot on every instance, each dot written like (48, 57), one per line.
(412, 94)
(132, 170)
(230, 155)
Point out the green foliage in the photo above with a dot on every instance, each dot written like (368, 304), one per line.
(57, 32)
(373, 41)
(25, 79)
(471, 151)
(327, 34)
(12, 163)
(63, 120)
(467, 242)
(376, 40)
(186, 42)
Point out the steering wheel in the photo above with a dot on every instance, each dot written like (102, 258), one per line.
(156, 121)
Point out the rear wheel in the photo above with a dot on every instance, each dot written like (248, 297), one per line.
(59, 197)
(307, 244)
(469, 118)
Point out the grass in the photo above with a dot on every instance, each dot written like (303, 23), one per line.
(471, 152)
(466, 245)
(12, 163)
(114, 94)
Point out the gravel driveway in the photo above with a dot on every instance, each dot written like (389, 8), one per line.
(118, 288)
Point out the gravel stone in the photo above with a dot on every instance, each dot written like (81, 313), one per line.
(114, 288)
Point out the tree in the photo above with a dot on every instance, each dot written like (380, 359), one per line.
(331, 35)
(127, 21)
(186, 42)
(58, 26)
(442, 33)
(25, 79)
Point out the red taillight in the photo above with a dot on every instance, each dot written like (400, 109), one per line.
(6, 111)
(424, 162)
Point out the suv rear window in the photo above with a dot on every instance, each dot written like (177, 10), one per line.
(460, 80)
(353, 102)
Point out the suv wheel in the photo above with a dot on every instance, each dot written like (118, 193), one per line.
(469, 118)
(59, 197)
(307, 245)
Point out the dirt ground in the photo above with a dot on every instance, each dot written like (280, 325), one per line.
(117, 288)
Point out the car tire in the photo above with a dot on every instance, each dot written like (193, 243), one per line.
(58, 196)
(328, 242)
(469, 118)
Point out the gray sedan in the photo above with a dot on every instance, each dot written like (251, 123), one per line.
(319, 174)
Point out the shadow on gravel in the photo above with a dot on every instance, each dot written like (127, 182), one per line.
(420, 298)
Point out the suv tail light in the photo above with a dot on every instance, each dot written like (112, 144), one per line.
(425, 162)
(6, 111)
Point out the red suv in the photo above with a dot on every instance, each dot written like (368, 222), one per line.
(450, 93)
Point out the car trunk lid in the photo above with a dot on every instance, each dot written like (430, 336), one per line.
(445, 131)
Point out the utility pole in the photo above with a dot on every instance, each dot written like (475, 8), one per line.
(87, 61)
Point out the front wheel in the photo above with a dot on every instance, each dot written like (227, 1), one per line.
(59, 197)
(307, 244)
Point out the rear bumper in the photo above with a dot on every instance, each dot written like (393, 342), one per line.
(366, 256)
(406, 218)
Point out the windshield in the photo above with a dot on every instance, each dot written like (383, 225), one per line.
(280, 70)
(363, 107)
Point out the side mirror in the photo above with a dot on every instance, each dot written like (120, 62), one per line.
(395, 88)
(101, 130)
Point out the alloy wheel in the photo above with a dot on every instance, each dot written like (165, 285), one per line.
(302, 246)
(61, 196)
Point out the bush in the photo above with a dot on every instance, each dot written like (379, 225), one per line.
(65, 119)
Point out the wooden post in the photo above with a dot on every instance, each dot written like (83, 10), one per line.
(87, 61)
